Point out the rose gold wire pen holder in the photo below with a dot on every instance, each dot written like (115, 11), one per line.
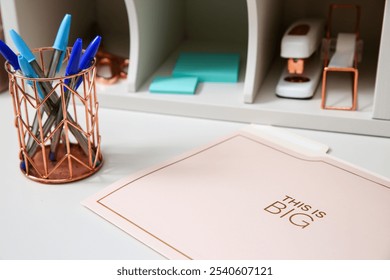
(58, 130)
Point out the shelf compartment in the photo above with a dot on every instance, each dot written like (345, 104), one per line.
(162, 27)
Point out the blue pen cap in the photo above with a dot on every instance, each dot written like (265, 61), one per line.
(9, 55)
(22, 46)
(90, 53)
(74, 58)
(88, 56)
(61, 41)
(29, 72)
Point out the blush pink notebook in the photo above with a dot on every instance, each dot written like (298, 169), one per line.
(246, 197)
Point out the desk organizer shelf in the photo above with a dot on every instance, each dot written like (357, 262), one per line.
(152, 33)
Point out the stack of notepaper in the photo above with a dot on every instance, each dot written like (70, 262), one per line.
(192, 67)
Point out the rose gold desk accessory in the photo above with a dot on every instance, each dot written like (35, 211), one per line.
(299, 48)
(344, 58)
(78, 154)
(117, 67)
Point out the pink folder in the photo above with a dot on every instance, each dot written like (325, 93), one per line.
(247, 197)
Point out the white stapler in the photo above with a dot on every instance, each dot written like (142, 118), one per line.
(299, 45)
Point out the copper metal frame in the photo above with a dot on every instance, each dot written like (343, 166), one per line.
(353, 69)
(72, 162)
(355, 73)
(117, 66)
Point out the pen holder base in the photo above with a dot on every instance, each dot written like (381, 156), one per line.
(73, 166)
(52, 114)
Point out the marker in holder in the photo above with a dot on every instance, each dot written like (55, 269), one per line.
(78, 153)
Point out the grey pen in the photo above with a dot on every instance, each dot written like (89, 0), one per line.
(28, 72)
(71, 69)
(59, 46)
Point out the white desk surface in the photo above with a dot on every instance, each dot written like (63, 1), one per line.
(41, 221)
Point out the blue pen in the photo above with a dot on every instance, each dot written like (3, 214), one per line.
(71, 69)
(9, 55)
(29, 56)
(88, 57)
(59, 46)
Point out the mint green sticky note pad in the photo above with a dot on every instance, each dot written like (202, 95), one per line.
(183, 85)
(208, 67)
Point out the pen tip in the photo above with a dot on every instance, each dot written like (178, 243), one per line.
(78, 41)
(13, 33)
(97, 39)
(67, 19)
(52, 156)
(23, 166)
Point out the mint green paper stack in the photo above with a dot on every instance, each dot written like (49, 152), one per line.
(194, 67)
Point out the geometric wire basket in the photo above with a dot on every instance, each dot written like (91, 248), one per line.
(58, 127)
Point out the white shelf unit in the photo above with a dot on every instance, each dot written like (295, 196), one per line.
(153, 32)
(38, 21)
